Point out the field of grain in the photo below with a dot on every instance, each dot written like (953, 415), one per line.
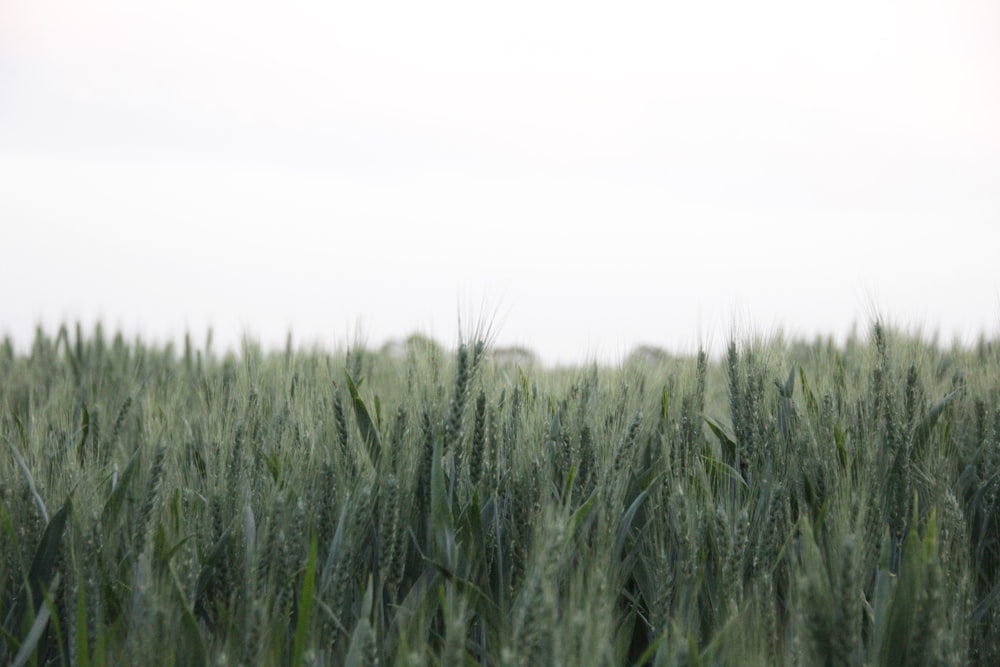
(789, 503)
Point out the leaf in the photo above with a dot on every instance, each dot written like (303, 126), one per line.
(723, 467)
(582, 513)
(482, 603)
(788, 388)
(626, 522)
(190, 632)
(37, 630)
(442, 520)
(650, 655)
(42, 566)
(984, 606)
(877, 608)
(81, 448)
(208, 567)
(29, 479)
(163, 552)
(470, 533)
(249, 541)
(906, 590)
(113, 505)
(82, 646)
(367, 426)
(305, 607)
(412, 617)
(335, 546)
(664, 405)
(728, 444)
(812, 405)
(20, 429)
(623, 637)
(922, 431)
(839, 440)
(786, 408)
(48, 548)
(364, 634)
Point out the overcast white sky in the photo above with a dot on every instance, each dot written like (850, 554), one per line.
(594, 174)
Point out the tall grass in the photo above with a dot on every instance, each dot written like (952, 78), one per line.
(792, 503)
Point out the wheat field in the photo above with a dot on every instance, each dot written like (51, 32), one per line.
(787, 503)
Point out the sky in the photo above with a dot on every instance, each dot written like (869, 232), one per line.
(585, 176)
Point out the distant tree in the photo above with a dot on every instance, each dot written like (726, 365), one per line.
(514, 355)
(649, 355)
